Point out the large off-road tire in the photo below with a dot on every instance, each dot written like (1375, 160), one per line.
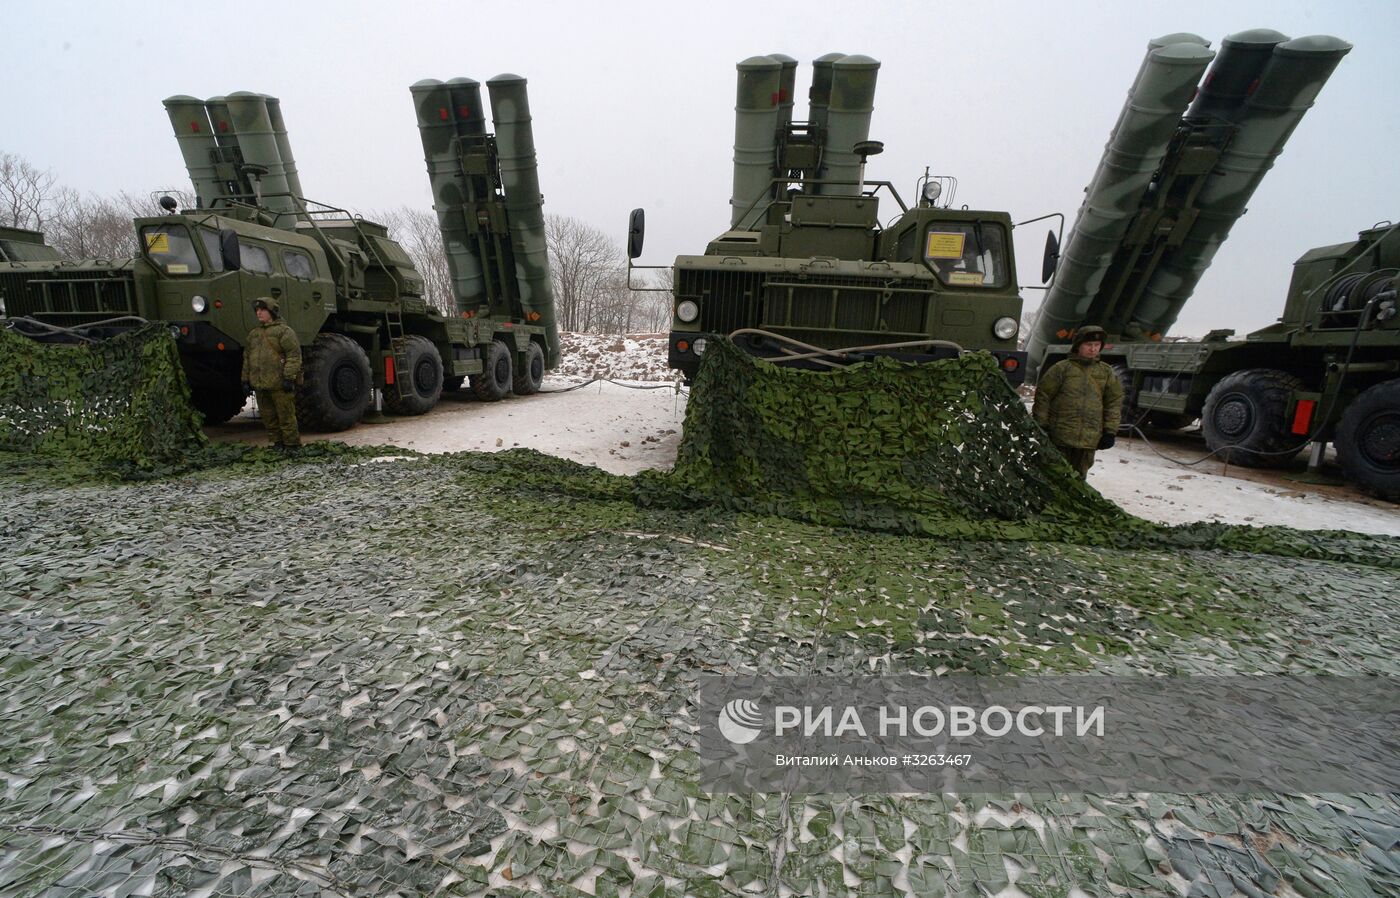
(1247, 411)
(1368, 440)
(494, 381)
(530, 375)
(338, 384)
(422, 375)
(218, 400)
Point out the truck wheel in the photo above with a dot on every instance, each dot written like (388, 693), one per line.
(529, 376)
(1248, 412)
(424, 374)
(1368, 440)
(218, 400)
(493, 382)
(338, 384)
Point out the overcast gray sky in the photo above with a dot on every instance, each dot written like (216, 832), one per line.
(633, 104)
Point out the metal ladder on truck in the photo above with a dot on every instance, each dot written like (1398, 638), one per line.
(398, 351)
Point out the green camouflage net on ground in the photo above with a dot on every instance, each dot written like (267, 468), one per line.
(944, 449)
(117, 408)
(473, 675)
(116, 402)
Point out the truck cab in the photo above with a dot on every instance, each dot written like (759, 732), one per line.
(820, 270)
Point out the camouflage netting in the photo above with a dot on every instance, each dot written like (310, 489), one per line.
(113, 408)
(114, 402)
(473, 675)
(944, 449)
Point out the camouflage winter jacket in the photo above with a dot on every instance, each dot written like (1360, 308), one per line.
(271, 354)
(1078, 401)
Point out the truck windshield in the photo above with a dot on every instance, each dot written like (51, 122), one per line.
(171, 249)
(966, 254)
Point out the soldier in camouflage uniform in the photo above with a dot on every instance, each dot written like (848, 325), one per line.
(1079, 401)
(272, 367)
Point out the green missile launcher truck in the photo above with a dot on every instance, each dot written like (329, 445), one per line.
(349, 291)
(808, 273)
(1180, 166)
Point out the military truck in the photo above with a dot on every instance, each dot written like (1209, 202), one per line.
(1179, 168)
(807, 268)
(349, 291)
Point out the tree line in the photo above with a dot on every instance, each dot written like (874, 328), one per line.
(588, 267)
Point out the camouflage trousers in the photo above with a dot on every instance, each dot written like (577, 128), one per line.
(1079, 459)
(279, 414)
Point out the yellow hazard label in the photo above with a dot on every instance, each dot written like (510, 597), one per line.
(158, 243)
(966, 277)
(176, 268)
(943, 245)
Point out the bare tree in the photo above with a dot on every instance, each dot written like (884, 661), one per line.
(584, 263)
(91, 227)
(653, 307)
(27, 194)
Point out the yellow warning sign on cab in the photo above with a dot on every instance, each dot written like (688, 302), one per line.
(158, 243)
(943, 245)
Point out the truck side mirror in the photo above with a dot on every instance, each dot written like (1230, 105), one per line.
(228, 249)
(636, 230)
(1052, 258)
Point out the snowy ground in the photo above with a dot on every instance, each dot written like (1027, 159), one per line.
(632, 421)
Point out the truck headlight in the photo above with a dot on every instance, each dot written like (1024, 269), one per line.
(199, 304)
(698, 345)
(687, 310)
(1005, 328)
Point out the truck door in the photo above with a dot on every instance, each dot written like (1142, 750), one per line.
(310, 295)
(260, 275)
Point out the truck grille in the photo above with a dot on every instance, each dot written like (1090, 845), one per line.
(848, 304)
(66, 297)
(730, 300)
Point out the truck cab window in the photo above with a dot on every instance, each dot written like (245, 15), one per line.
(298, 265)
(170, 248)
(212, 252)
(255, 258)
(964, 254)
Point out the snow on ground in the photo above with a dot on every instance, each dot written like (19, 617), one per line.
(631, 421)
(640, 357)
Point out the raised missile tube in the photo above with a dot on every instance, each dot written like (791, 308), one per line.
(515, 146)
(756, 119)
(253, 126)
(1266, 112)
(847, 122)
(1164, 88)
(438, 127)
(284, 146)
(468, 113)
(787, 81)
(195, 136)
(222, 123)
(819, 96)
